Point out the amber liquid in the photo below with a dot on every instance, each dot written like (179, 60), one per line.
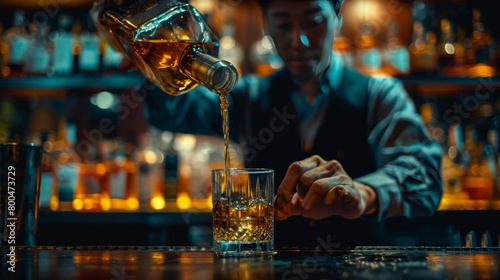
(161, 62)
(225, 127)
(250, 220)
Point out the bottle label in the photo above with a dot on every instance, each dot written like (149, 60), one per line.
(67, 176)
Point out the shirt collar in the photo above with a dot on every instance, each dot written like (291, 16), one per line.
(334, 73)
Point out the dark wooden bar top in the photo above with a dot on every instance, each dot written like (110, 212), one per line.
(141, 262)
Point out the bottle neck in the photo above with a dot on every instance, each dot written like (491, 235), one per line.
(215, 74)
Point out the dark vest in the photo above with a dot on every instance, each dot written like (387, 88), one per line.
(275, 143)
(342, 136)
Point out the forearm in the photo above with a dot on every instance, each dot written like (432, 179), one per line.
(408, 176)
(408, 186)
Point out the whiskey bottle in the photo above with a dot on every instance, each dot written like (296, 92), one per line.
(63, 41)
(433, 124)
(4, 54)
(88, 189)
(18, 39)
(102, 171)
(148, 159)
(453, 161)
(123, 188)
(66, 166)
(171, 172)
(395, 55)
(450, 51)
(39, 53)
(368, 58)
(342, 44)
(90, 56)
(181, 52)
(47, 174)
(480, 53)
(76, 31)
(478, 179)
(423, 55)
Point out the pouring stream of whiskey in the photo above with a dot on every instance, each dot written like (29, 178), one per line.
(224, 104)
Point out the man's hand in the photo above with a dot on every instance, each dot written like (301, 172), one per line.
(317, 189)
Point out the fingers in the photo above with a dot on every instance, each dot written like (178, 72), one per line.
(324, 170)
(315, 195)
(290, 209)
(345, 201)
(288, 186)
(326, 191)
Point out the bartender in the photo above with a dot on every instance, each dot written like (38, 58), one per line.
(348, 150)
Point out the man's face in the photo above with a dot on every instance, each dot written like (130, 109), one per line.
(303, 33)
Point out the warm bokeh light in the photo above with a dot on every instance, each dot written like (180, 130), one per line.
(367, 10)
(105, 203)
(183, 201)
(157, 202)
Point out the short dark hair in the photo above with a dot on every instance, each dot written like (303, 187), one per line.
(336, 4)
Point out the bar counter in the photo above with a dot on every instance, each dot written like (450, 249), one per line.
(188, 262)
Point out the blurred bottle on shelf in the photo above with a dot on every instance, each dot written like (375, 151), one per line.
(230, 50)
(4, 54)
(367, 58)
(92, 49)
(149, 159)
(103, 167)
(39, 53)
(205, 157)
(396, 57)
(111, 59)
(123, 175)
(179, 149)
(451, 52)
(478, 179)
(423, 55)
(171, 172)
(480, 53)
(435, 127)
(453, 164)
(495, 140)
(46, 179)
(264, 57)
(66, 165)
(76, 30)
(88, 190)
(63, 41)
(18, 39)
(497, 181)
